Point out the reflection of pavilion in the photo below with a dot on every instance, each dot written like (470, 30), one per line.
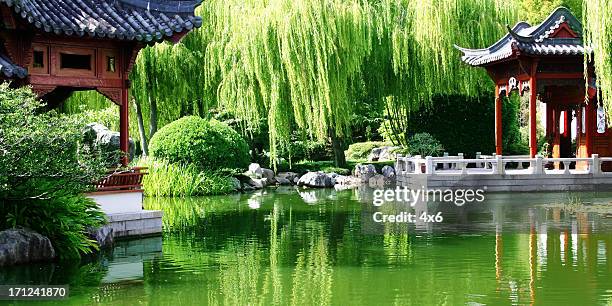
(551, 247)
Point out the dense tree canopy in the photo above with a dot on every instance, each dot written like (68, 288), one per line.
(307, 65)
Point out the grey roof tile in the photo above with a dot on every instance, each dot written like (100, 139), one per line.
(141, 20)
(10, 70)
(533, 40)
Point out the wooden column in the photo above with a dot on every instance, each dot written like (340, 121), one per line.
(533, 93)
(498, 122)
(588, 122)
(124, 137)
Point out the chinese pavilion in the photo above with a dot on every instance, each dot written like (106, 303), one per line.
(60, 46)
(546, 61)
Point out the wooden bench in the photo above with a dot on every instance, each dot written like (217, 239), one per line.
(123, 180)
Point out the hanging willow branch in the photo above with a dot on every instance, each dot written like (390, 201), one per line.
(302, 63)
(597, 19)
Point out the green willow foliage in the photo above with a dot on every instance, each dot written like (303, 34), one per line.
(302, 63)
(597, 19)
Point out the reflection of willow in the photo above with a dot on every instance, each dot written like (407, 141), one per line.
(241, 279)
(185, 213)
(312, 278)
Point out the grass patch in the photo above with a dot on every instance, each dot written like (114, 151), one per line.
(167, 179)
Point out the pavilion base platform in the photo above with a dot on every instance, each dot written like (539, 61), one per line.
(126, 216)
(504, 174)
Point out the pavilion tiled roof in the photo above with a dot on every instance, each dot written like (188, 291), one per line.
(134, 20)
(10, 70)
(532, 40)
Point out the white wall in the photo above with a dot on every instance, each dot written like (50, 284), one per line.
(123, 202)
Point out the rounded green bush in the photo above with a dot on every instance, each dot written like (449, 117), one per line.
(207, 145)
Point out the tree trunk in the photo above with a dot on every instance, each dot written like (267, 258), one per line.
(338, 147)
(144, 143)
(152, 117)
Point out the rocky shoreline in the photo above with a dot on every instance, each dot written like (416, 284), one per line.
(258, 177)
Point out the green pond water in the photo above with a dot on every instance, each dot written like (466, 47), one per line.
(321, 247)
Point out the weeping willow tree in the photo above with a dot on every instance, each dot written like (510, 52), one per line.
(597, 19)
(302, 64)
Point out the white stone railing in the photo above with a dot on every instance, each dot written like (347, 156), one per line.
(498, 164)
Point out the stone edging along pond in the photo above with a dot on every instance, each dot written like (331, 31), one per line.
(257, 178)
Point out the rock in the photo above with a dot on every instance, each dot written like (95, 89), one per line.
(254, 183)
(282, 181)
(99, 136)
(377, 181)
(380, 180)
(332, 176)
(255, 170)
(269, 175)
(382, 153)
(388, 172)
(315, 179)
(103, 235)
(365, 172)
(235, 183)
(290, 176)
(347, 180)
(374, 154)
(18, 246)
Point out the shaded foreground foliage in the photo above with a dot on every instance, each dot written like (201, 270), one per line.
(44, 170)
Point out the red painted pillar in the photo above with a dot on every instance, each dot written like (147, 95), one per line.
(498, 122)
(567, 122)
(533, 92)
(124, 137)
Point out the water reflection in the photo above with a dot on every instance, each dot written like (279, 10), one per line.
(314, 247)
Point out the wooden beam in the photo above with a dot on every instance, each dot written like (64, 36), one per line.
(124, 137)
(498, 122)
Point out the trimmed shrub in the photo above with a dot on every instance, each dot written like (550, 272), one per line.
(206, 145)
(361, 150)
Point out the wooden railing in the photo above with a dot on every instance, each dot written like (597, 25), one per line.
(122, 180)
(498, 164)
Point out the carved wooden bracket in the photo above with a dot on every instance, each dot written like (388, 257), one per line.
(113, 94)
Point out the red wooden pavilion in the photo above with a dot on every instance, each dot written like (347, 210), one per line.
(60, 46)
(546, 61)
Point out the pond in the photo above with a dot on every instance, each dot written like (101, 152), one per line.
(320, 247)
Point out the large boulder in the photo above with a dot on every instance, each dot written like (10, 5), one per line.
(103, 235)
(315, 180)
(365, 172)
(255, 170)
(269, 175)
(388, 172)
(347, 180)
(18, 246)
(382, 153)
(99, 136)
